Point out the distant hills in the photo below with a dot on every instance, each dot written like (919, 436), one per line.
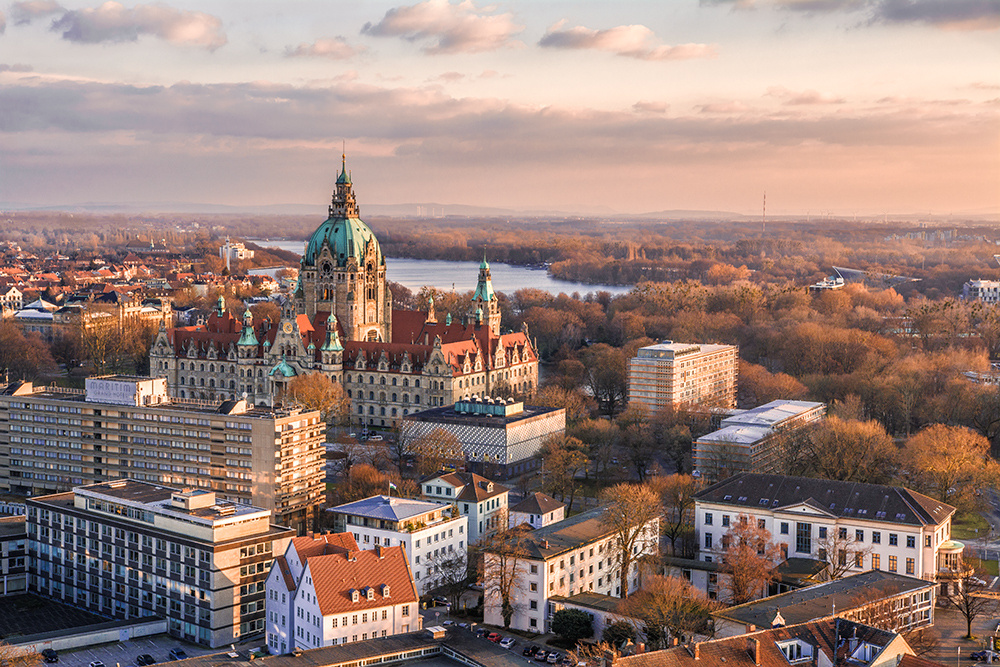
(437, 210)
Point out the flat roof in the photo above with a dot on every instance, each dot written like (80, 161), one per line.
(771, 413)
(447, 415)
(814, 602)
(388, 508)
(590, 600)
(12, 526)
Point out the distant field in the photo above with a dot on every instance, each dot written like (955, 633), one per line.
(964, 526)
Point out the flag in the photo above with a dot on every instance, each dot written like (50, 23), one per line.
(392, 486)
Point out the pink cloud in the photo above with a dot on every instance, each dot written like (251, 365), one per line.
(452, 28)
(113, 22)
(335, 48)
(631, 41)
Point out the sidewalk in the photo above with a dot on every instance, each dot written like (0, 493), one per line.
(949, 625)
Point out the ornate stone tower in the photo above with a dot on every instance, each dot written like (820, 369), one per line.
(343, 270)
(485, 306)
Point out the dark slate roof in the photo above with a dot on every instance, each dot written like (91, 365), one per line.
(537, 503)
(853, 500)
(820, 601)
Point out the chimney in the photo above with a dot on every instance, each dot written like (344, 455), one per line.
(545, 544)
(378, 551)
(753, 649)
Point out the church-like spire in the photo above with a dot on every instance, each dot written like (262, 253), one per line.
(343, 204)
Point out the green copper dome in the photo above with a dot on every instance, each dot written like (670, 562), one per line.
(283, 368)
(345, 236)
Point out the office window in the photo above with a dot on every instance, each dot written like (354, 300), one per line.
(708, 540)
(876, 562)
(893, 539)
(784, 527)
(843, 533)
(876, 537)
(822, 532)
(910, 563)
(927, 540)
(859, 560)
(725, 520)
(911, 541)
(708, 518)
(892, 563)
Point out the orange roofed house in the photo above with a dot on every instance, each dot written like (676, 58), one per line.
(325, 591)
(340, 321)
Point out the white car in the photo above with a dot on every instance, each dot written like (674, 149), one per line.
(507, 642)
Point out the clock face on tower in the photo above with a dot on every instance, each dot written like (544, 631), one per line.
(287, 328)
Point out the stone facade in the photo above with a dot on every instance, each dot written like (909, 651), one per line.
(340, 322)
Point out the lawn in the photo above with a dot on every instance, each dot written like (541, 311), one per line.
(965, 525)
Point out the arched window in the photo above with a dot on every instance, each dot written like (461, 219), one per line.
(406, 398)
(394, 412)
(211, 382)
(182, 380)
(371, 379)
(416, 383)
(394, 398)
(232, 384)
(371, 396)
(182, 365)
(203, 368)
(406, 382)
(382, 411)
(393, 382)
(361, 410)
(371, 409)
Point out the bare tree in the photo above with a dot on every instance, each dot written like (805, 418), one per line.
(677, 498)
(668, 607)
(504, 565)
(451, 571)
(971, 599)
(563, 457)
(316, 391)
(15, 656)
(841, 551)
(631, 514)
(435, 450)
(749, 559)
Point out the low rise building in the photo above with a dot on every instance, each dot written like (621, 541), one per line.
(435, 535)
(13, 538)
(499, 439)
(829, 642)
(672, 375)
(483, 501)
(751, 440)
(123, 427)
(537, 510)
(575, 555)
(129, 549)
(891, 601)
(855, 526)
(324, 591)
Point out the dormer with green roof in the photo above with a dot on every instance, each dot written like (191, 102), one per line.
(247, 336)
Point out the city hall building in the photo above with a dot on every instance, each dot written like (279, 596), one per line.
(340, 321)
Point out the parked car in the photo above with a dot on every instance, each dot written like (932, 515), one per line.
(96, 663)
(530, 651)
(440, 602)
(464, 626)
(144, 659)
(541, 655)
(482, 632)
(448, 622)
(376, 438)
(984, 655)
(50, 655)
(178, 654)
(568, 660)
(553, 658)
(494, 637)
(507, 642)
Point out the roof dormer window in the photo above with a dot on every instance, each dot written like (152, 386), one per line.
(385, 590)
(355, 596)
(369, 592)
(796, 651)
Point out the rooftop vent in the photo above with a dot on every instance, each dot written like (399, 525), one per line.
(117, 484)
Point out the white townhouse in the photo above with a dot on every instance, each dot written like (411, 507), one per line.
(483, 501)
(872, 527)
(537, 510)
(432, 533)
(340, 595)
(572, 556)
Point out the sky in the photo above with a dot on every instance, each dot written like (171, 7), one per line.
(628, 106)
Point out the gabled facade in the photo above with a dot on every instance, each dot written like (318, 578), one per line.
(483, 501)
(324, 591)
(873, 527)
(340, 322)
(432, 533)
(537, 510)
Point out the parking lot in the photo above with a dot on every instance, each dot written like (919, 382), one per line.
(124, 654)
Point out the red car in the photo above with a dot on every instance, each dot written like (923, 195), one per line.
(494, 637)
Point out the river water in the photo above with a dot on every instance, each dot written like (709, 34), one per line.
(462, 276)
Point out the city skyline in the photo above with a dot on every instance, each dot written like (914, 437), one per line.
(844, 106)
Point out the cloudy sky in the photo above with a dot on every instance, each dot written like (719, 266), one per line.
(846, 106)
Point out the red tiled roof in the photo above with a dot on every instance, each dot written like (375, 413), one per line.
(318, 545)
(334, 576)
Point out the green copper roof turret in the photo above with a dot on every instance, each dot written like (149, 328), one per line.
(247, 337)
(283, 368)
(332, 342)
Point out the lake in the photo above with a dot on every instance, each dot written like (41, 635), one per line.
(462, 276)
